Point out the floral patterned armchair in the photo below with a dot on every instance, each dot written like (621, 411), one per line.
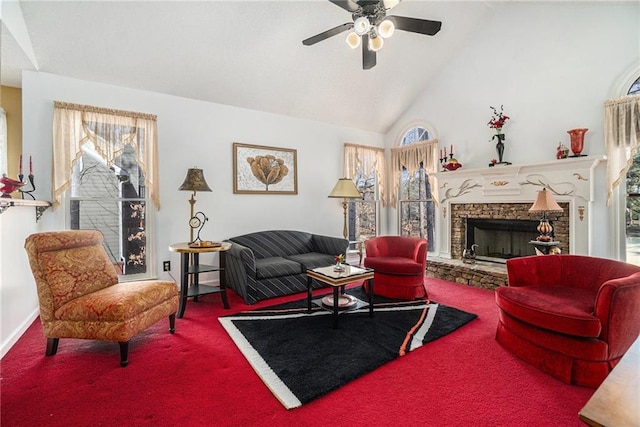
(80, 296)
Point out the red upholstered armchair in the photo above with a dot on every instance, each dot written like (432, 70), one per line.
(571, 316)
(399, 264)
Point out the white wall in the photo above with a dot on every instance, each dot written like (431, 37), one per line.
(191, 133)
(552, 65)
(18, 298)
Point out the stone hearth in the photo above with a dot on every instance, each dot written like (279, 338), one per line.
(486, 275)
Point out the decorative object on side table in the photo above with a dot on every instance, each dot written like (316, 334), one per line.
(198, 221)
(577, 141)
(451, 164)
(339, 260)
(497, 122)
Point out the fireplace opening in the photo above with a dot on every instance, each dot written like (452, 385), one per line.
(501, 239)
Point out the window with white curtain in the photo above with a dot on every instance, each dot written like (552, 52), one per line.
(105, 163)
(412, 162)
(365, 166)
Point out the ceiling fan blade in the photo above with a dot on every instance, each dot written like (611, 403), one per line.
(326, 34)
(368, 56)
(348, 5)
(415, 25)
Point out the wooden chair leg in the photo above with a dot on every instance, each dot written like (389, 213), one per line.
(52, 346)
(124, 353)
(172, 323)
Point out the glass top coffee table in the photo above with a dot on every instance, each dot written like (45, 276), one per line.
(339, 301)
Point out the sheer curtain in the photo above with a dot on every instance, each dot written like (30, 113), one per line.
(110, 131)
(368, 159)
(622, 138)
(410, 156)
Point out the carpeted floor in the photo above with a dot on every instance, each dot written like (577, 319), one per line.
(199, 377)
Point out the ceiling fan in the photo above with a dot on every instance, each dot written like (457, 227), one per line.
(371, 26)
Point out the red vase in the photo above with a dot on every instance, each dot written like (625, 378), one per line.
(577, 140)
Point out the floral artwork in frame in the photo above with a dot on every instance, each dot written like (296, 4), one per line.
(264, 170)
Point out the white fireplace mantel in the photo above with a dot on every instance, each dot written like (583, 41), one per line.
(570, 180)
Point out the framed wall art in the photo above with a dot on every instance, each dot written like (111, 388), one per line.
(264, 170)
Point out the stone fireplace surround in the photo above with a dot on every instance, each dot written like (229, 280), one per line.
(508, 211)
(508, 192)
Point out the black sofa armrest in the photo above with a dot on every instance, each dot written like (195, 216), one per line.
(329, 245)
(240, 264)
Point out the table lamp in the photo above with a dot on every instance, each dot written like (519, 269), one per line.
(194, 182)
(544, 204)
(345, 189)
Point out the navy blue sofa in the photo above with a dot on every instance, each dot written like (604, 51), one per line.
(272, 263)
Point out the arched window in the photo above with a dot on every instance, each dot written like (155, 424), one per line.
(632, 213)
(415, 204)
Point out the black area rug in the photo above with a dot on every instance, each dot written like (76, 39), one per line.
(300, 357)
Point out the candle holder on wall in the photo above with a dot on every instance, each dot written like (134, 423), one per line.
(33, 186)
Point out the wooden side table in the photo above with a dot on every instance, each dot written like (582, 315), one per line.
(615, 402)
(190, 265)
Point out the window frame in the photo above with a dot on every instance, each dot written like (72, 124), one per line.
(401, 183)
(354, 212)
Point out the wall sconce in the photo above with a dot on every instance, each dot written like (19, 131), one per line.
(545, 204)
(345, 189)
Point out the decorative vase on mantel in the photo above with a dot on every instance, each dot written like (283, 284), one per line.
(577, 141)
(499, 147)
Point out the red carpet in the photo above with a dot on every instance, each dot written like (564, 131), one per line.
(199, 377)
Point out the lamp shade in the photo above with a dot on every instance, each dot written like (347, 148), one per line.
(345, 188)
(376, 43)
(195, 181)
(545, 203)
(386, 28)
(361, 25)
(353, 40)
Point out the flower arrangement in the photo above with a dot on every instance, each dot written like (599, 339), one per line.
(498, 119)
(339, 259)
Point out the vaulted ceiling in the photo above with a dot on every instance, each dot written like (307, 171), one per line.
(241, 53)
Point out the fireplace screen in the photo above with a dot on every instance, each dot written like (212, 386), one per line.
(501, 239)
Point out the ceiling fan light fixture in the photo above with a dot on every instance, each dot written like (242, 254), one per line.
(386, 29)
(361, 25)
(353, 40)
(376, 43)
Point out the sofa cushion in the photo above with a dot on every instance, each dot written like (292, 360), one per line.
(561, 309)
(395, 265)
(267, 268)
(312, 260)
